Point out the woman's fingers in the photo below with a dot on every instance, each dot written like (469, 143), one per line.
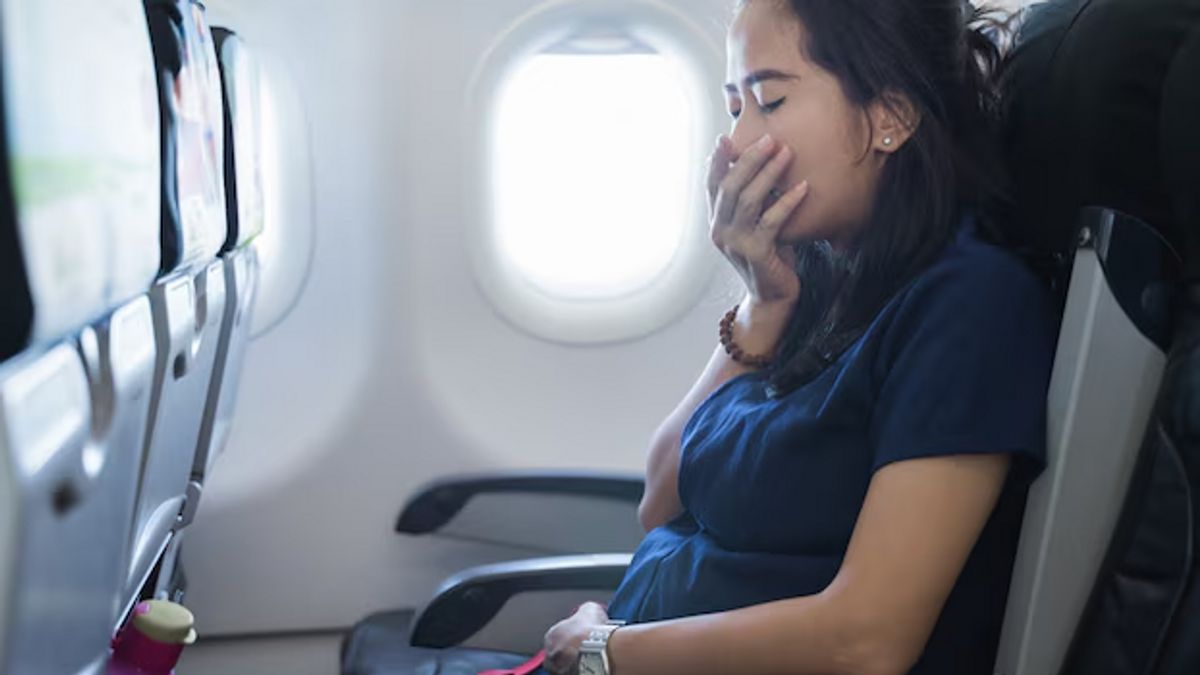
(557, 656)
(744, 227)
(753, 197)
(742, 172)
(777, 215)
(718, 168)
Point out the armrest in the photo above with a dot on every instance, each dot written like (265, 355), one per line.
(438, 502)
(466, 602)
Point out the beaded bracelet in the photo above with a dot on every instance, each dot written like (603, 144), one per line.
(735, 352)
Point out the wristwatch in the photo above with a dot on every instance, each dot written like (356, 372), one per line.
(593, 654)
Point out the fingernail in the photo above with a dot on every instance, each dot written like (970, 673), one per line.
(765, 140)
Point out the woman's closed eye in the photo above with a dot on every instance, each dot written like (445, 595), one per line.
(773, 105)
(767, 108)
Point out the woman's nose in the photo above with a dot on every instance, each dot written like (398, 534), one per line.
(743, 136)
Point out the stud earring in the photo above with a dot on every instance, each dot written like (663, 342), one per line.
(887, 141)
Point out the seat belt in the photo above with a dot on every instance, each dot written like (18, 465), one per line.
(526, 668)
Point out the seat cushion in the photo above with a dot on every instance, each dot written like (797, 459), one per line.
(378, 645)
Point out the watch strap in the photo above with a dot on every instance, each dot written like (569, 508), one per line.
(597, 642)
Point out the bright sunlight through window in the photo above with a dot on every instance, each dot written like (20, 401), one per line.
(591, 158)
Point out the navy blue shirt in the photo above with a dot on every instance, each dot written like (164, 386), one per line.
(958, 362)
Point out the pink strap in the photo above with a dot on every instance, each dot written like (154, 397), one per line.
(531, 665)
(523, 669)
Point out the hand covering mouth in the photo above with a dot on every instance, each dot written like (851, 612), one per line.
(772, 197)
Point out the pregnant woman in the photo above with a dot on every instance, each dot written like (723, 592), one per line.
(841, 490)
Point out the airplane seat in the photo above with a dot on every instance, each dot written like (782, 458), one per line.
(449, 635)
(245, 217)
(189, 298)
(1093, 90)
(1144, 611)
(1099, 130)
(79, 191)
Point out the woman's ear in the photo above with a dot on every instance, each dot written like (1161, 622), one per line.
(894, 119)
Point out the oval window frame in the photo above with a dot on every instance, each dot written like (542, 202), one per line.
(285, 254)
(684, 280)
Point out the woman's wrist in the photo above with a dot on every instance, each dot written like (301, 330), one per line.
(759, 326)
(616, 652)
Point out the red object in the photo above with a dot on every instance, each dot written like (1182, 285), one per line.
(136, 654)
(523, 669)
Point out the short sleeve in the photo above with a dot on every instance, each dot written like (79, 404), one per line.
(964, 366)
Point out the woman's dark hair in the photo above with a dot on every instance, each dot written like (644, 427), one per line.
(939, 56)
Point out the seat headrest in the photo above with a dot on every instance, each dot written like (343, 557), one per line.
(79, 165)
(193, 192)
(1180, 141)
(1101, 99)
(243, 138)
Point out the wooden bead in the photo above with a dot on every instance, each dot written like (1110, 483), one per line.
(725, 333)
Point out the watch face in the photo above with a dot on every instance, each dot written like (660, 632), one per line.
(591, 664)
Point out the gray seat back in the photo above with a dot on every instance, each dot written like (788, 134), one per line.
(188, 302)
(245, 213)
(79, 220)
(1109, 363)
(80, 165)
(62, 492)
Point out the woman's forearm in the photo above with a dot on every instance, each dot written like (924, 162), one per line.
(757, 330)
(918, 524)
(798, 636)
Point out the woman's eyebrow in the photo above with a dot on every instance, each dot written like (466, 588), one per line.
(759, 76)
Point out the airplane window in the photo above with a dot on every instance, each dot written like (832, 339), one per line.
(592, 150)
(593, 120)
